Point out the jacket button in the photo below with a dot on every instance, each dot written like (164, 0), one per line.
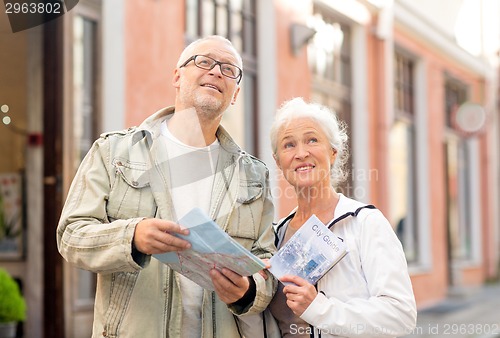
(165, 290)
(135, 183)
(119, 163)
(104, 333)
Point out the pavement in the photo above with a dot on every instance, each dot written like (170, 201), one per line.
(466, 313)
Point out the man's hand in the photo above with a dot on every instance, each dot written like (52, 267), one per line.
(154, 236)
(229, 286)
(263, 272)
(299, 295)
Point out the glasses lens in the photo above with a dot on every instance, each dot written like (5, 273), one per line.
(226, 69)
(204, 62)
(229, 70)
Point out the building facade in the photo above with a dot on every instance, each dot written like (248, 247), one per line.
(417, 86)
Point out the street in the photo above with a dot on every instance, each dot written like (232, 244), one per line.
(473, 314)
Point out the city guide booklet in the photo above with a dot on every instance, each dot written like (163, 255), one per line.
(211, 248)
(310, 253)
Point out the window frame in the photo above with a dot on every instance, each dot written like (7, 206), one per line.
(468, 195)
(90, 11)
(245, 41)
(336, 92)
(405, 113)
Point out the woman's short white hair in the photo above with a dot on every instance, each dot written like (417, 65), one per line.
(334, 129)
(188, 51)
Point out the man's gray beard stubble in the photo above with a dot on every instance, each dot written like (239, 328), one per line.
(208, 107)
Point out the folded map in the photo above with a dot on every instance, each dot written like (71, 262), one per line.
(211, 248)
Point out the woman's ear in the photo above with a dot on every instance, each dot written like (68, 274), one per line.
(276, 160)
(334, 155)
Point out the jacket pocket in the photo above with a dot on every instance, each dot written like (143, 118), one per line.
(245, 220)
(122, 285)
(130, 195)
(249, 192)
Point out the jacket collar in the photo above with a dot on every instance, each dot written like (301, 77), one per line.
(226, 182)
(152, 128)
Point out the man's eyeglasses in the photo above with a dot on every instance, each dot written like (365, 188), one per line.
(206, 62)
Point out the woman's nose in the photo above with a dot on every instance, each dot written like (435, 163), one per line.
(302, 152)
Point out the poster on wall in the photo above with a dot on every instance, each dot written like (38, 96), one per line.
(11, 216)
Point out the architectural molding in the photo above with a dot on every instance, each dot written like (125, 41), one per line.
(423, 30)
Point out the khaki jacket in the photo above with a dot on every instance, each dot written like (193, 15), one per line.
(124, 179)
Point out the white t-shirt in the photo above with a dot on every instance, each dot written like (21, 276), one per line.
(192, 173)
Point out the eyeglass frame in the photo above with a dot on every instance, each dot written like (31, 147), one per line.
(216, 62)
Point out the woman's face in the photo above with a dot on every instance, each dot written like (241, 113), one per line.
(304, 154)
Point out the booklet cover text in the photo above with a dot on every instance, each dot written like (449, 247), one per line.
(310, 253)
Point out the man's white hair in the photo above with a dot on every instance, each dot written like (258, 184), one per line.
(188, 51)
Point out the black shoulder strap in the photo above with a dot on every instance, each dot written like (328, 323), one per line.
(280, 225)
(335, 221)
(347, 214)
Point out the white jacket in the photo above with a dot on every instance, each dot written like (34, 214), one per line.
(368, 293)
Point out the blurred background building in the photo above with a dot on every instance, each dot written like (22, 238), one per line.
(417, 82)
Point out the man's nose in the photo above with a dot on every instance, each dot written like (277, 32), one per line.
(216, 70)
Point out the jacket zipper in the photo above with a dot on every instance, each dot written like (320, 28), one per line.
(168, 300)
(214, 216)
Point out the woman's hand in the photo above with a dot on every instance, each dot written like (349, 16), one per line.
(299, 295)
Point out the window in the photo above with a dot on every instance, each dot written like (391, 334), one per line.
(81, 127)
(457, 177)
(329, 57)
(236, 20)
(84, 122)
(402, 142)
(84, 74)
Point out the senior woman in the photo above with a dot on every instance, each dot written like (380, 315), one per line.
(368, 293)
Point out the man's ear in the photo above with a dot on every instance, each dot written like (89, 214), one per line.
(233, 100)
(176, 78)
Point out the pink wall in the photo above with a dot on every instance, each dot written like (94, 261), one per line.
(294, 78)
(378, 124)
(154, 39)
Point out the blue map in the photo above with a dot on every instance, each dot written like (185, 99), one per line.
(211, 248)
